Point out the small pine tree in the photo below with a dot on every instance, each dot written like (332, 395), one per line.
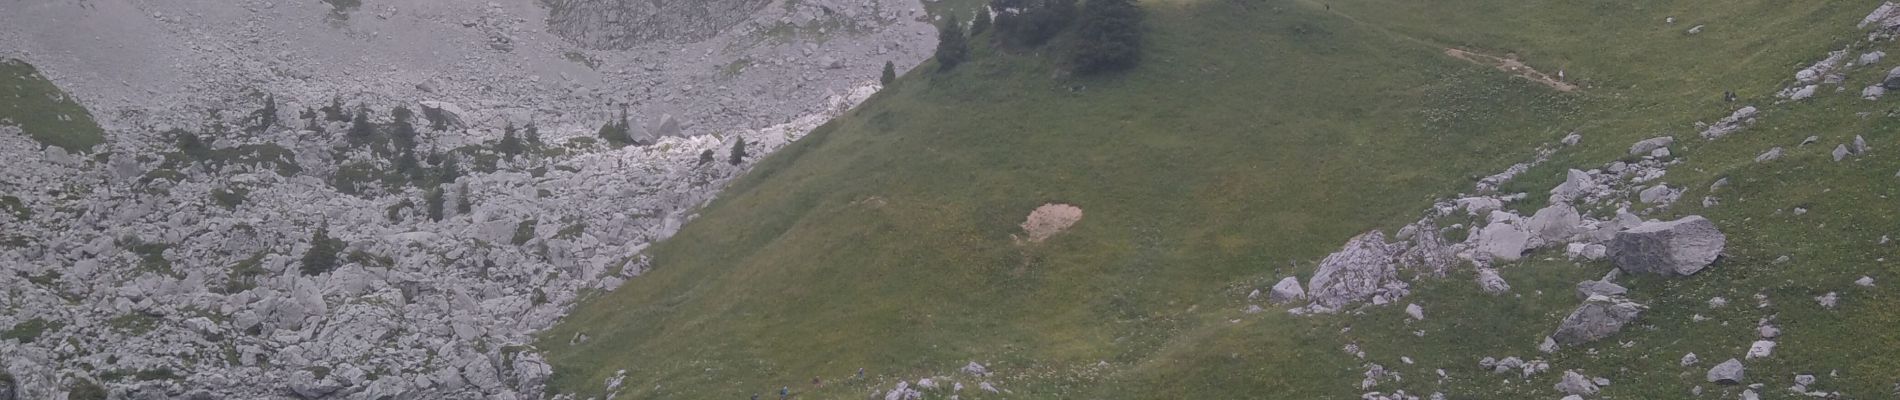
(448, 171)
(510, 145)
(335, 111)
(404, 135)
(407, 164)
(890, 74)
(266, 117)
(361, 130)
(463, 204)
(952, 47)
(313, 125)
(532, 135)
(705, 157)
(321, 257)
(433, 198)
(738, 152)
(981, 23)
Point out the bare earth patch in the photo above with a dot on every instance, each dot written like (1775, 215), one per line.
(1048, 220)
(1513, 66)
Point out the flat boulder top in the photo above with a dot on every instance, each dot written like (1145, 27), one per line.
(1675, 248)
(1049, 220)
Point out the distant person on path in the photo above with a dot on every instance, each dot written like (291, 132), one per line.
(860, 373)
(755, 396)
(784, 392)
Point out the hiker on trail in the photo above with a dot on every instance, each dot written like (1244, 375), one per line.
(755, 396)
(784, 391)
(860, 373)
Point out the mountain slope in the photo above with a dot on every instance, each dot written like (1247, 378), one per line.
(1253, 140)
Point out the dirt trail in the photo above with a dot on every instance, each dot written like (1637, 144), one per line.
(1512, 66)
(1508, 65)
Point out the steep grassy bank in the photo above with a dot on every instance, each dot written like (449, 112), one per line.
(1255, 137)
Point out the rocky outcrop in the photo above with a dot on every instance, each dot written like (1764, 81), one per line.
(1363, 269)
(1674, 248)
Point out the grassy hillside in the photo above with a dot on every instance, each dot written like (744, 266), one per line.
(1255, 137)
(47, 114)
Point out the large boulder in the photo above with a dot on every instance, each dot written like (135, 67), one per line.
(1287, 290)
(1500, 241)
(1727, 373)
(1360, 270)
(1598, 318)
(1673, 248)
(1556, 223)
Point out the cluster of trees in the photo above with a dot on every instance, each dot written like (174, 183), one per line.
(618, 133)
(1107, 36)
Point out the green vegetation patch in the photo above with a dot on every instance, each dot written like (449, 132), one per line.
(46, 113)
(30, 330)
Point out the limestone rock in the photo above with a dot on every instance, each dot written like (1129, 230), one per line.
(1727, 373)
(1770, 155)
(1288, 290)
(1673, 248)
(1574, 383)
(1647, 145)
(1598, 318)
(1362, 269)
(1556, 223)
(1588, 289)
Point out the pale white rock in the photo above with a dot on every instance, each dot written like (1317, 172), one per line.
(1651, 144)
(1556, 223)
(1500, 241)
(1415, 312)
(1866, 281)
(1689, 359)
(1287, 290)
(1727, 373)
(1828, 301)
(1761, 349)
(1734, 122)
(1659, 194)
(1576, 183)
(1840, 152)
(1574, 383)
(1588, 289)
(1770, 155)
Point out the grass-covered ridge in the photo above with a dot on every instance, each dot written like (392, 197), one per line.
(1254, 138)
(43, 111)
